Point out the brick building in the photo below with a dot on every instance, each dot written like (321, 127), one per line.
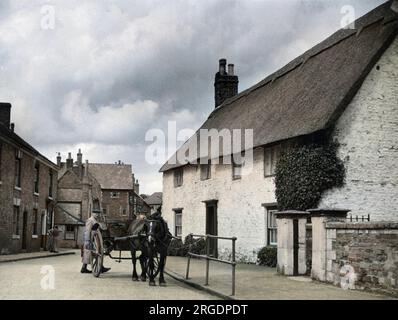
(28, 190)
(83, 187)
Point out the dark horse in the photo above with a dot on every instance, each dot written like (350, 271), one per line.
(152, 240)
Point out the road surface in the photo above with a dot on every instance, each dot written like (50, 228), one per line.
(60, 278)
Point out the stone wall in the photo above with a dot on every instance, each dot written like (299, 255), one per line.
(362, 255)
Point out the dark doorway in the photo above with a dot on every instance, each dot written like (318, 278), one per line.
(295, 246)
(24, 229)
(212, 226)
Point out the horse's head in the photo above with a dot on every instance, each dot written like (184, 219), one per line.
(153, 230)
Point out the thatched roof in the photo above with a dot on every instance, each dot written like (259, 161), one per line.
(309, 93)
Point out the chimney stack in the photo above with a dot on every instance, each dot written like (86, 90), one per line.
(5, 114)
(59, 159)
(225, 84)
(69, 161)
(79, 158)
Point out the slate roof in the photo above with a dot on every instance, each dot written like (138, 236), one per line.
(11, 136)
(309, 93)
(112, 176)
(154, 199)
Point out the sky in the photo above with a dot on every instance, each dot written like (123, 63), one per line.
(98, 75)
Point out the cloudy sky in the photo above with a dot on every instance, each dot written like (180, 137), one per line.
(97, 75)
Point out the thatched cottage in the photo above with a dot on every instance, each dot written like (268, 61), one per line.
(344, 89)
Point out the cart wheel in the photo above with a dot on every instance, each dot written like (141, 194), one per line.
(155, 271)
(97, 253)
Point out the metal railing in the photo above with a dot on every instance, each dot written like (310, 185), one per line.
(209, 258)
(357, 218)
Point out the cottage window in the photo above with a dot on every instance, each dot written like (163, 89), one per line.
(35, 222)
(69, 232)
(205, 171)
(18, 169)
(237, 168)
(178, 223)
(178, 177)
(271, 157)
(115, 195)
(15, 220)
(271, 226)
(36, 177)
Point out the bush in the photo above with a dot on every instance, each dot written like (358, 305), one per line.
(176, 248)
(198, 246)
(267, 256)
(304, 173)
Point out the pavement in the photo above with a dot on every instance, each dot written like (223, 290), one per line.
(260, 283)
(59, 278)
(34, 255)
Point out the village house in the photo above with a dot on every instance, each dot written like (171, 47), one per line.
(28, 190)
(154, 201)
(344, 89)
(83, 187)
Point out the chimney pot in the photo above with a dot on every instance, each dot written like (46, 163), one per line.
(59, 159)
(222, 69)
(230, 69)
(12, 127)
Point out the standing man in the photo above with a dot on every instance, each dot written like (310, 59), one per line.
(86, 254)
(53, 235)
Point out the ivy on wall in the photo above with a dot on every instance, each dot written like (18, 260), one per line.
(303, 173)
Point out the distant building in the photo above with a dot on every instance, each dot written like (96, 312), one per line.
(344, 89)
(154, 201)
(87, 186)
(28, 191)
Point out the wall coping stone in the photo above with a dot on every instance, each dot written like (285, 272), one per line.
(328, 212)
(362, 225)
(291, 214)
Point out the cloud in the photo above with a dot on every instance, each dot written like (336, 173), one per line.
(111, 70)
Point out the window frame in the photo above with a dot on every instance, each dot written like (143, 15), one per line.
(178, 175)
(115, 194)
(205, 175)
(51, 183)
(178, 212)
(68, 232)
(18, 169)
(271, 226)
(36, 177)
(271, 157)
(236, 166)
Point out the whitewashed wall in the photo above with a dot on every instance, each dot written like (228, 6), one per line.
(240, 211)
(368, 134)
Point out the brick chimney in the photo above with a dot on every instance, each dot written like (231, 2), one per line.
(5, 114)
(69, 161)
(225, 83)
(59, 159)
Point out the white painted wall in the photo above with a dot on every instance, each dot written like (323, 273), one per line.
(368, 134)
(240, 211)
